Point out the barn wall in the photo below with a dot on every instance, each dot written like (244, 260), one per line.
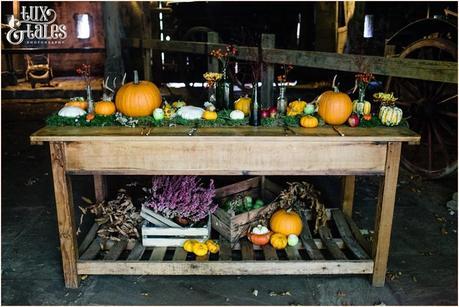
(65, 63)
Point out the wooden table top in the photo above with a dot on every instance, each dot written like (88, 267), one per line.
(329, 134)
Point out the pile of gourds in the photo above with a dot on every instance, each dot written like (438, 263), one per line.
(285, 227)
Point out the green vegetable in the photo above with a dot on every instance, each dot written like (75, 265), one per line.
(258, 204)
(248, 199)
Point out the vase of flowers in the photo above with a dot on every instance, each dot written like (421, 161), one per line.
(282, 85)
(211, 79)
(85, 72)
(224, 85)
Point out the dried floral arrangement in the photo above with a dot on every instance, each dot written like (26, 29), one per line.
(118, 218)
(225, 55)
(299, 196)
(286, 69)
(85, 72)
(181, 197)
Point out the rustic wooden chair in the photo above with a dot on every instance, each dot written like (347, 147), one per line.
(38, 69)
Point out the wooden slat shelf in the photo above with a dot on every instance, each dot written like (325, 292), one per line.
(316, 254)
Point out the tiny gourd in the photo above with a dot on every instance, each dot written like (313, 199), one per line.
(361, 107)
(243, 104)
(260, 235)
(296, 107)
(212, 246)
(236, 115)
(71, 112)
(309, 121)
(390, 115)
(209, 115)
(105, 108)
(200, 249)
(309, 109)
(77, 103)
(158, 114)
(190, 112)
(279, 241)
(188, 245)
(178, 104)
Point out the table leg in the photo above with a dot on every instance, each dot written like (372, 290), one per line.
(348, 194)
(100, 187)
(65, 215)
(384, 213)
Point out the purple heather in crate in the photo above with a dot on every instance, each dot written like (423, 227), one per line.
(181, 197)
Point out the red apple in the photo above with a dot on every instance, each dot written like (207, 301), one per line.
(264, 113)
(272, 111)
(353, 120)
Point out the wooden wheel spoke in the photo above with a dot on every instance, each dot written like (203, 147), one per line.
(451, 98)
(448, 114)
(446, 127)
(443, 148)
(410, 88)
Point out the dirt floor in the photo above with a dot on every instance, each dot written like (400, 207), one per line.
(422, 264)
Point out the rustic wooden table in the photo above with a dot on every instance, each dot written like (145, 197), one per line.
(339, 151)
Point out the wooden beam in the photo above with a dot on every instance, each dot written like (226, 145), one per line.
(442, 71)
(326, 25)
(112, 28)
(397, 67)
(147, 34)
(247, 267)
(267, 73)
(212, 62)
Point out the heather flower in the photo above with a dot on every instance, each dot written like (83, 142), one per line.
(181, 196)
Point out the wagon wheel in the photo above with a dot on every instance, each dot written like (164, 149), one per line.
(431, 110)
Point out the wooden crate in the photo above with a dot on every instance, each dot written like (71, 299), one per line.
(233, 227)
(160, 231)
(338, 248)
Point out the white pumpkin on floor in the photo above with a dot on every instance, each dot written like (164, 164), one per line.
(71, 112)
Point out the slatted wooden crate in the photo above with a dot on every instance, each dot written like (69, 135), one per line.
(338, 248)
(160, 231)
(233, 227)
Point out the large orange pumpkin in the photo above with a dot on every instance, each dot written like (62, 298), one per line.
(138, 98)
(334, 107)
(286, 222)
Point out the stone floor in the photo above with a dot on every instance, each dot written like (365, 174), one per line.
(422, 264)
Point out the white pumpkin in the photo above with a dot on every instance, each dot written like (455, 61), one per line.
(236, 115)
(71, 112)
(260, 230)
(190, 112)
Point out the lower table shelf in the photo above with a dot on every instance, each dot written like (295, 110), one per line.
(337, 248)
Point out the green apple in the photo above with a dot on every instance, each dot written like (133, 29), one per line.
(309, 109)
(158, 114)
(292, 240)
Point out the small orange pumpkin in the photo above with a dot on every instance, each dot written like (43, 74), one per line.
(259, 239)
(309, 121)
(286, 222)
(80, 104)
(90, 117)
(367, 116)
(104, 108)
(138, 98)
(243, 104)
(334, 107)
(209, 115)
